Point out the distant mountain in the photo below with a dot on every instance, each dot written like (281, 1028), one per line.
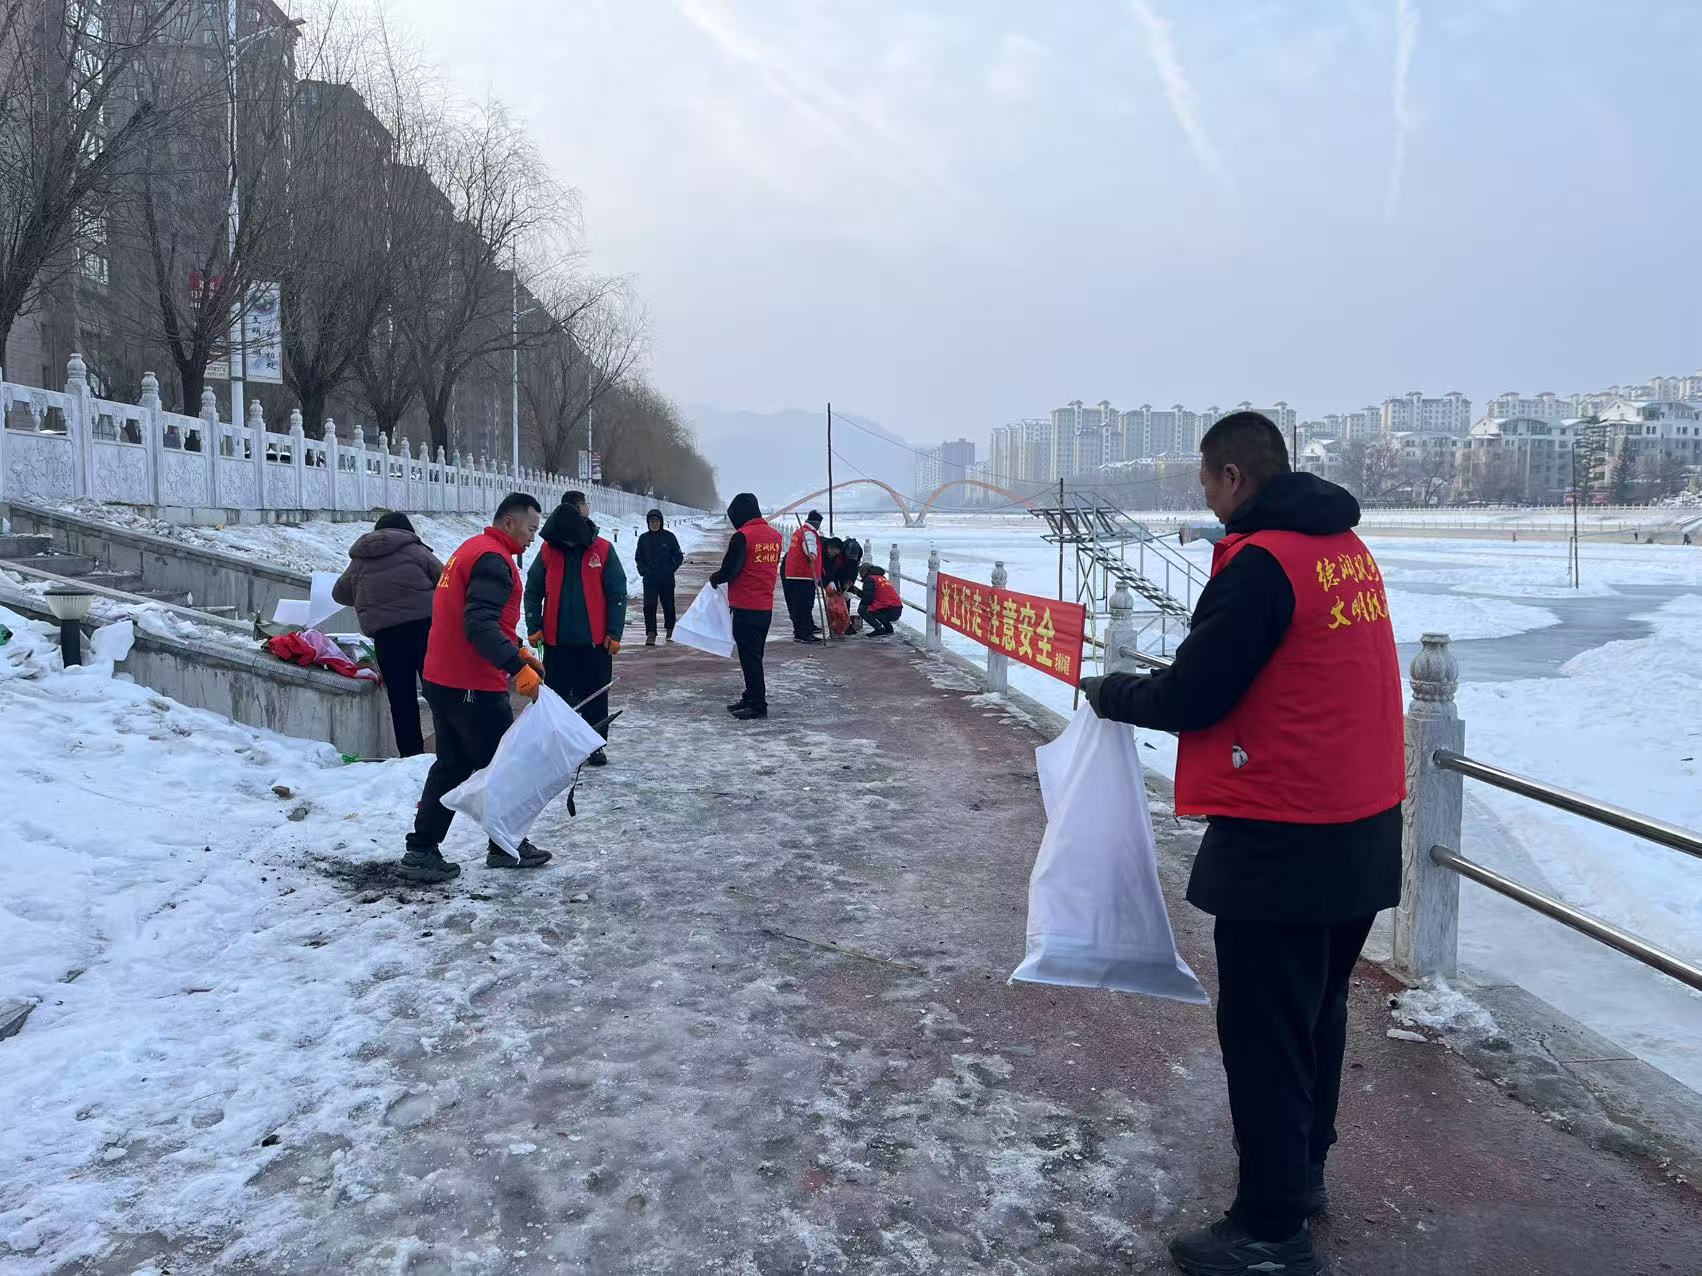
(783, 455)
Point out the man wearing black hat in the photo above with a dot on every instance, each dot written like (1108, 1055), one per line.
(801, 572)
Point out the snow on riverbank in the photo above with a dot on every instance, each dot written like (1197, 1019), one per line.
(192, 974)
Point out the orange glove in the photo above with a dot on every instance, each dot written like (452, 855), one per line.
(527, 682)
(613, 645)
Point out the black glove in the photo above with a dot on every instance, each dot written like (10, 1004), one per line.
(1091, 688)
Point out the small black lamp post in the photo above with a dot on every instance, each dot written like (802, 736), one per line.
(70, 604)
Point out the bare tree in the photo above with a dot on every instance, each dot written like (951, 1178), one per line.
(74, 120)
(1429, 476)
(647, 446)
(1371, 470)
(593, 336)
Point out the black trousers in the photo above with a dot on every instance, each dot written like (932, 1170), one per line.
(801, 604)
(750, 634)
(401, 656)
(881, 619)
(660, 589)
(469, 726)
(573, 673)
(1282, 1024)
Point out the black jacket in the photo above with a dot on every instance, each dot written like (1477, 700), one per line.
(744, 508)
(489, 587)
(658, 554)
(1262, 870)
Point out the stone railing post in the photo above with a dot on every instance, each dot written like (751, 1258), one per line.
(383, 494)
(998, 664)
(455, 464)
(212, 442)
(420, 497)
(894, 566)
(80, 425)
(1427, 920)
(932, 639)
(333, 462)
(153, 440)
(362, 500)
(298, 457)
(256, 426)
(1121, 635)
(442, 497)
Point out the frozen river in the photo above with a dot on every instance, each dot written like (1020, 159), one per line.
(1598, 689)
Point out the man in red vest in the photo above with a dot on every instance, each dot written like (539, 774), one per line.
(802, 575)
(576, 611)
(473, 651)
(1287, 697)
(749, 569)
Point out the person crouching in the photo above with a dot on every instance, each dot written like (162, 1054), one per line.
(881, 605)
(576, 610)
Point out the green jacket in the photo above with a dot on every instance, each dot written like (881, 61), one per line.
(573, 624)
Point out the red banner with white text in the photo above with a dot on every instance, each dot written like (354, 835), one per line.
(1043, 633)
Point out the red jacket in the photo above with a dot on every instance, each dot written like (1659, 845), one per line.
(753, 588)
(1319, 736)
(451, 660)
(885, 595)
(804, 554)
(591, 564)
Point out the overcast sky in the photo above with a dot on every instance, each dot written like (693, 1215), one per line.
(948, 215)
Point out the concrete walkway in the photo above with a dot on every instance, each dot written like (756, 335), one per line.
(754, 1020)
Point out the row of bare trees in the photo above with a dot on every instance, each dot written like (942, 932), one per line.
(401, 232)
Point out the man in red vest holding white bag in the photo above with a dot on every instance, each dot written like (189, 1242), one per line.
(750, 569)
(473, 651)
(1287, 697)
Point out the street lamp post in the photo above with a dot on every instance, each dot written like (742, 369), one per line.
(237, 354)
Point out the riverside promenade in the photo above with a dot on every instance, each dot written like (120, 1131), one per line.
(754, 1020)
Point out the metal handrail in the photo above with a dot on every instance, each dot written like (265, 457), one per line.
(1615, 938)
(1659, 831)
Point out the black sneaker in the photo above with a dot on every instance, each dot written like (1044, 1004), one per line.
(808, 639)
(426, 864)
(529, 857)
(599, 758)
(1226, 1249)
(748, 712)
(1317, 1194)
(649, 640)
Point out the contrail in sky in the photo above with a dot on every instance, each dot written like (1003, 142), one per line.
(1406, 40)
(1184, 102)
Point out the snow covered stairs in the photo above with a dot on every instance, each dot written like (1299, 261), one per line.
(36, 553)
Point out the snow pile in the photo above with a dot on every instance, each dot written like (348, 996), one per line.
(195, 981)
(1442, 1009)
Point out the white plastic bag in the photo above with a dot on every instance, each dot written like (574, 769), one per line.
(708, 622)
(537, 760)
(1096, 915)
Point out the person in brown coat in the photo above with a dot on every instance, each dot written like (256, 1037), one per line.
(389, 582)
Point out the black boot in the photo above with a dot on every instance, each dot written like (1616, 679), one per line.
(426, 864)
(747, 712)
(738, 704)
(599, 758)
(1227, 1249)
(529, 857)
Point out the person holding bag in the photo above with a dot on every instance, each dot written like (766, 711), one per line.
(750, 569)
(473, 651)
(391, 582)
(1287, 697)
(576, 612)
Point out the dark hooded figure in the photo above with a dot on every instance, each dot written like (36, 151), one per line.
(658, 557)
(750, 569)
(576, 611)
(389, 581)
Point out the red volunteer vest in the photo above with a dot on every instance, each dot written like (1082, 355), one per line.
(590, 577)
(1318, 738)
(886, 595)
(450, 659)
(797, 561)
(753, 588)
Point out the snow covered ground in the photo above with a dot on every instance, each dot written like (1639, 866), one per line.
(1621, 721)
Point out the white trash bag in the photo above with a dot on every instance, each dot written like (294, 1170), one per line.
(1096, 915)
(708, 622)
(536, 762)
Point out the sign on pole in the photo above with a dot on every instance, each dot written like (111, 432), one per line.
(263, 335)
(1042, 633)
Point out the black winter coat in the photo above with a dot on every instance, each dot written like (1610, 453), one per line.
(1263, 870)
(658, 555)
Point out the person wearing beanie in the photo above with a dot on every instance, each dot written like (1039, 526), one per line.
(802, 574)
(749, 570)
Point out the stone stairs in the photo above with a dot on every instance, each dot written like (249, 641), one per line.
(37, 552)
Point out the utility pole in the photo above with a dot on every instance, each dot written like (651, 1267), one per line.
(235, 353)
(830, 468)
(1060, 540)
(514, 337)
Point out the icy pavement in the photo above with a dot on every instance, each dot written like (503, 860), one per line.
(752, 1020)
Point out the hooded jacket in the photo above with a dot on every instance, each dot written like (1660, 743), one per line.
(389, 580)
(658, 555)
(1259, 869)
(573, 537)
